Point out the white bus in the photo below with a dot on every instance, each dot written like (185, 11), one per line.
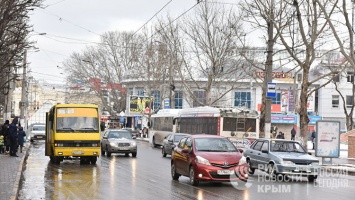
(161, 125)
(237, 122)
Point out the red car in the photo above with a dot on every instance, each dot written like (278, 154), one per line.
(208, 158)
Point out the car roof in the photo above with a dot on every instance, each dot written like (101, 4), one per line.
(206, 136)
(180, 134)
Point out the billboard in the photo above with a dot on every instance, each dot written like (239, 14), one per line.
(140, 104)
(327, 142)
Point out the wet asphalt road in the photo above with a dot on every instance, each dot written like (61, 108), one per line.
(148, 177)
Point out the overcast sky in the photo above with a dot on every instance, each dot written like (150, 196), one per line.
(71, 25)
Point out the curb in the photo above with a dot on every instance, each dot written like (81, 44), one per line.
(15, 190)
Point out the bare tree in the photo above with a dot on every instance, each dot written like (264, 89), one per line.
(14, 29)
(202, 49)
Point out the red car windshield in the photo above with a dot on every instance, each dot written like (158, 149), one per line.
(214, 145)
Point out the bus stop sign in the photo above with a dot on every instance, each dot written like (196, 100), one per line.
(271, 90)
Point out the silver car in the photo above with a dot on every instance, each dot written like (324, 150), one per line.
(37, 131)
(118, 141)
(281, 157)
(170, 142)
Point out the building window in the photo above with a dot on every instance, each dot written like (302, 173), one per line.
(350, 77)
(242, 99)
(178, 99)
(130, 91)
(335, 101)
(349, 101)
(156, 97)
(140, 92)
(276, 99)
(201, 96)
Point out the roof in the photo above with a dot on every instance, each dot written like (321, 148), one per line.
(206, 136)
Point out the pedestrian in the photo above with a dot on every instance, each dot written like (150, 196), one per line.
(21, 134)
(5, 133)
(280, 136)
(313, 135)
(293, 133)
(140, 133)
(13, 137)
(1, 144)
(102, 126)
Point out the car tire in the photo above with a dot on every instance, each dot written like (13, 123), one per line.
(312, 178)
(174, 175)
(56, 160)
(102, 151)
(271, 171)
(250, 170)
(163, 152)
(193, 181)
(126, 154)
(154, 144)
(108, 153)
(134, 154)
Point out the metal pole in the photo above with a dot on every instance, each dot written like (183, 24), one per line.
(23, 92)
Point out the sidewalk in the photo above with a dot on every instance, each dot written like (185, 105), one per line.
(10, 174)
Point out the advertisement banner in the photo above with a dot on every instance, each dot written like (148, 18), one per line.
(139, 103)
(284, 100)
(327, 142)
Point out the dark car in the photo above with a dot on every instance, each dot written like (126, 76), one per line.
(134, 132)
(208, 158)
(281, 157)
(170, 142)
(118, 141)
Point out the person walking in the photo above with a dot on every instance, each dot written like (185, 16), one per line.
(5, 133)
(21, 135)
(293, 133)
(13, 137)
(313, 135)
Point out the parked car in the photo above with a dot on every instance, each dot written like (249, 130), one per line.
(37, 131)
(281, 157)
(170, 142)
(134, 132)
(118, 141)
(208, 158)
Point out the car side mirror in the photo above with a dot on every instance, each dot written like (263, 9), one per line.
(264, 151)
(185, 150)
(240, 150)
(170, 141)
(309, 153)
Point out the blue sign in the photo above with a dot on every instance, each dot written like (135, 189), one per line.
(122, 119)
(271, 90)
(166, 104)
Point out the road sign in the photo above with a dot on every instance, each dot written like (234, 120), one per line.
(271, 90)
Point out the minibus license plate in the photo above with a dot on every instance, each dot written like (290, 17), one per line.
(77, 152)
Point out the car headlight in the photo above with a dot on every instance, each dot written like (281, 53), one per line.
(202, 160)
(285, 162)
(243, 160)
(113, 144)
(133, 144)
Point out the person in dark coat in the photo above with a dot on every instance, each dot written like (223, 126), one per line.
(5, 133)
(293, 133)
(313, 138)
(21, 134)
(13, 137)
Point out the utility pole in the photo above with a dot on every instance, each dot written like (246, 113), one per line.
(268, 68)
(10, 89)
(23, 92)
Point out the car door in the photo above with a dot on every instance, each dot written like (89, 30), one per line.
(104, 139)
(254, 153)
(178, 156)
(185, 163)
(169, 144)
(264, 156)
